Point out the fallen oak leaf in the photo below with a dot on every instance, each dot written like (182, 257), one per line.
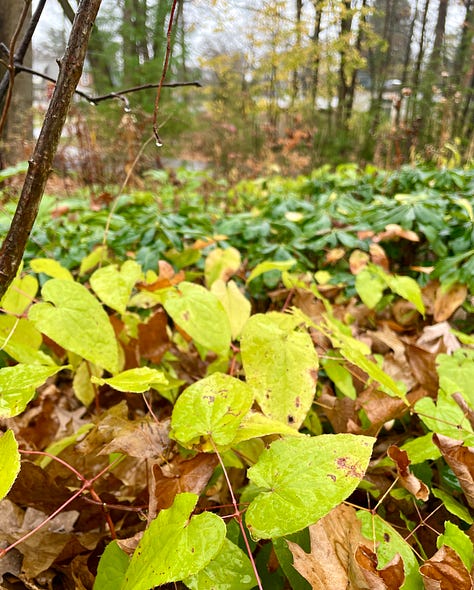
(334, 541)
(409, 481)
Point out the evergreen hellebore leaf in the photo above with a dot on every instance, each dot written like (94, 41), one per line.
(212, 407)
(134, 380)
(303, 479)
(76, 321)
(175, 546)
(199, 313)
(9, 462)
(280, 366)
(114, 286)
(18, 386)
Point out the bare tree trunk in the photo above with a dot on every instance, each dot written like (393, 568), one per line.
(316, 60)
(40, 163)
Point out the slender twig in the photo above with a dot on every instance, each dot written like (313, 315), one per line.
(164, 71)
(238, 516)
(119, 94)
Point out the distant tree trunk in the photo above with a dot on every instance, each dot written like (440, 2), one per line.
(19, 127)
(463, 71)
(316, 52)
(419, 60)
(295, 83)
(343, 86)
(358, 46)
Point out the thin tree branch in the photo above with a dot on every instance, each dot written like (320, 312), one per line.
(40, 163)
(119, 94)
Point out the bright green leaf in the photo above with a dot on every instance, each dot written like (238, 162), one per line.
(229, 570)
(369, 287)
(9, 462)
(303, 479)
(453, 505)
(255, 425)
(456, 373)
(52, 268)
(445, 417)
(281, 366)
(199, 313)
(212, 407)
(77, 322)
(21, 340)
(269, 265)
(237, 306)
(407, 288)
(175, 545)
(457, 539)
(18, 386)
(113, 286)
(134, 380)
(81, 383)
(388, 543)
(221, 264)
(112, 568)
(20, 294)
(340, 376)
(97, 256)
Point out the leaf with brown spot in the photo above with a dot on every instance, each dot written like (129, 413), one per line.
(448, 300)
(334, 541)
(461, 460)
(409, 481)
(391, 577)
(446, 571)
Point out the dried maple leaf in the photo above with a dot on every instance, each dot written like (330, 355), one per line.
(446, 571)
(409, 481)
(334, 542)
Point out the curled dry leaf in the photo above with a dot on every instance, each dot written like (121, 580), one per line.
(391, 577)
(166, 278)
(393, 231)
(448, 300)
(334, 542)
(358, 260)
(423, 366)
(445, 571)
(461, 460)
(438, 338)
(409, 481)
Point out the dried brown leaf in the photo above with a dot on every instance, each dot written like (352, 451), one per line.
(423, 365)
(446, 571)
(145, 439)
(391, 577)
(180, 475)
(461, 460)
(331, 563)
(358, 260)
(448, 300)
(409, 481)
(378, 256)
(393, 231)
(153, 339)
(438, 338)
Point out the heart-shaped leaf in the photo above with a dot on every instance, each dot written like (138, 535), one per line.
(77, 322)
(175, 546)
(303, 479)
(9, 462)
(114, 286)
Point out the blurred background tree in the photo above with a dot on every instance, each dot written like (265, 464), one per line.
(289, 84)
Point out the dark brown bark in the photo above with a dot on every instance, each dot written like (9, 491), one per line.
(316, 60)
(40, 163)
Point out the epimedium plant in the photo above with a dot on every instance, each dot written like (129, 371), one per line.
(252, 409)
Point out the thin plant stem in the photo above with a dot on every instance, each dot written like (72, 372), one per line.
(238, 516)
